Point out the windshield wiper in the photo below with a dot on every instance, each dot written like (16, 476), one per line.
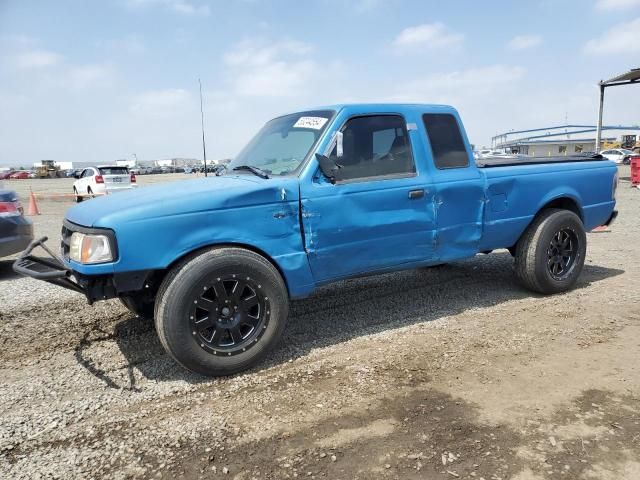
(255, 170)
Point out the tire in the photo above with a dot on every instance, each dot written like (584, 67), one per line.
(90, 193)
(551, 252)
(208, 335)
(78, 197)
(142, 307)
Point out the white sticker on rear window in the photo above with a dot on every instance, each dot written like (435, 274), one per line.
(315, 123)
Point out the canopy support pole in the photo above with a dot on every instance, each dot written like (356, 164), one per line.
(599, 130)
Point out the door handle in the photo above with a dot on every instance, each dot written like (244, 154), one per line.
(415, 194)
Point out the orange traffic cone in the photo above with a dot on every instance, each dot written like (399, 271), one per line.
(33, 206)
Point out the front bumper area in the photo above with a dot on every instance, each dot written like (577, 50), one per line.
(53, 270)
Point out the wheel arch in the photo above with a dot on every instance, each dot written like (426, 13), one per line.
(561, 202)
(244, 246)
(564, 203)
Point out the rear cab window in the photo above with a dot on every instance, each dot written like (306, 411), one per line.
(447, 145)
(114, 171)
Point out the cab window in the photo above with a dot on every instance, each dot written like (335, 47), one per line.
(446, 141)
(375, 146)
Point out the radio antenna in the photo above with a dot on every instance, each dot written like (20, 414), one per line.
(204, 146)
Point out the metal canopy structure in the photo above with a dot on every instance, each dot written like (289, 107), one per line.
(628, 78)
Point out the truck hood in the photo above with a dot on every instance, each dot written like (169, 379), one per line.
(182, 197)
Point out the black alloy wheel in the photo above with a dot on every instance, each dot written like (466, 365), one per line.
(229, 315)
(561, 254)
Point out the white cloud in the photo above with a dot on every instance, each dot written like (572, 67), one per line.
(183, 7)
(621, 38)
(616, 4)
(428, 35)
(471, 80)
(270, 69)
(523, 42)
(130, 44)
(36, 59)
(161, 102)
(257, 53)
(90, 76)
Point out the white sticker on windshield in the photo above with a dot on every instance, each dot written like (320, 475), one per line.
(316, 123)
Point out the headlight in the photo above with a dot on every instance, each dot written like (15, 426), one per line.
(85, 248)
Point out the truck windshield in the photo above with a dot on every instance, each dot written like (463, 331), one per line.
(283, 143)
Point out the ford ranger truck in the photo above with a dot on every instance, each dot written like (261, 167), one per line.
(315, 197)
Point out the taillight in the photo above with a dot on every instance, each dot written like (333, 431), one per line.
(9, 208)
(133, 178)
(99, 179)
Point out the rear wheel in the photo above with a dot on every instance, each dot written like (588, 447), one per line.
(221, 311)
(551, 252)
(90, 193)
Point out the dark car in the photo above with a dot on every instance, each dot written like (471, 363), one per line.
(6, 175)
(16, 232)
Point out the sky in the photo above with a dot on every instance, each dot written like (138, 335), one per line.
(95, 81)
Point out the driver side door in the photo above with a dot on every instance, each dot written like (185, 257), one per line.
(380, 214)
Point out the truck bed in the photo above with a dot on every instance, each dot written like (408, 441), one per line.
(489, 162)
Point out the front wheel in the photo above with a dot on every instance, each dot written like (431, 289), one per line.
(550, 254)
(78, 197)
(220, 312)
(141, 306)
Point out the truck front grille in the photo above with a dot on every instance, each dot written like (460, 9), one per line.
(65, 241)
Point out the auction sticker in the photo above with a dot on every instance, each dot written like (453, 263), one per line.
(315, 123)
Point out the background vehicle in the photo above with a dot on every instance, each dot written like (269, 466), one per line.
(618, 155)
(47, 169)
(6, 175)
(21, 175)
(317, 197)
(16, 232)
(104, 179)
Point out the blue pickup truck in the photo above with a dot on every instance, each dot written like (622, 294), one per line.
(315, 197)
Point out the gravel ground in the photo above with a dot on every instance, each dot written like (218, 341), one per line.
(449, 372)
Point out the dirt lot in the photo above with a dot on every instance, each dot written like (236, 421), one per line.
(443, 373)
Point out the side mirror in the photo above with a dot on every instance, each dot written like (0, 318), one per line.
(329, 168)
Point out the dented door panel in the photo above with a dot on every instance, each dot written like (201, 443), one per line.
(350, 229)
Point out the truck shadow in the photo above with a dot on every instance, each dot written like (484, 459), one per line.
(349, 309)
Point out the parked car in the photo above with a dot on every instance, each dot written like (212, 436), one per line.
(618, 155)
(6, 175)
(21, 175)
(316, 197)
(16, 232)
(101, 180)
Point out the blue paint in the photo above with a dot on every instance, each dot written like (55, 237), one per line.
(317, 232)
